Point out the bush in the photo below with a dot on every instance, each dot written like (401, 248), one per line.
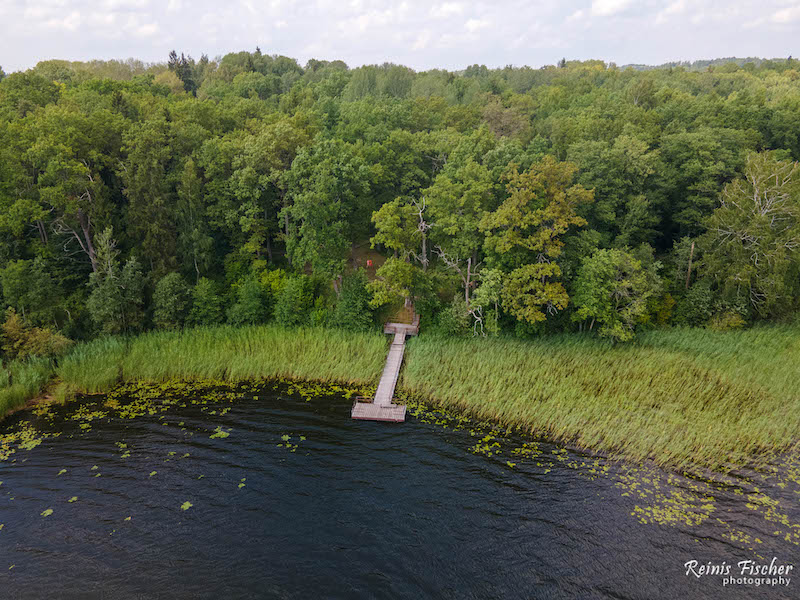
(294, 302)
(251, 304)
(206, 304)
(694, 309)
(322, 313)
(352, 308)
(21, 341)
(455, 319)
(728, 321)
(273, 282)
(171, 301)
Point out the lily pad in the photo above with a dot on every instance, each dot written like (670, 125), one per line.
(219, 434)
(47, 512)
(186, 505)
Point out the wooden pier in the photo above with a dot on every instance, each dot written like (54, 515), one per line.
(381, 407)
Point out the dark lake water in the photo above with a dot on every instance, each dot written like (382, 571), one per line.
(299, 501)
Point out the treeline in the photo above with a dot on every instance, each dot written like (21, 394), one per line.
(572, 197)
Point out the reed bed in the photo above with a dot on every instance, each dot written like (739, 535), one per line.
(226, 353)
(21, 381)
(679, 397)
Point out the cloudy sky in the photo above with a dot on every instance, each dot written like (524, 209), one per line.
(421, 34)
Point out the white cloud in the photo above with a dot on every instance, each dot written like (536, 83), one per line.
(146, 30)
(473, 25)
(422, 40)
(675, 8)
(71, 22)
(787, 15)
(125, 4)
(447, 9)
(607, 8)
(576, 16)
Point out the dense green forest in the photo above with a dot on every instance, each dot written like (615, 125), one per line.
(575, 197)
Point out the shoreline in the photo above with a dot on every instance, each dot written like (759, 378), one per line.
(682, 400)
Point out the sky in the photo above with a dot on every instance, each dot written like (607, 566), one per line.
(420, 34)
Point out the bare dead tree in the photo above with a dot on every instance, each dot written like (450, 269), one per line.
(466, 270)
(477, 324)
(422, 226)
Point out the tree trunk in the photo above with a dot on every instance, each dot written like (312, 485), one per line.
(282, 194)
(42, 231)
(83, 220)
(424, 252)
(466, 281)
(689, 270)
(269, 248)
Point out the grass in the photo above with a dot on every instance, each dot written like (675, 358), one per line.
(681, 398)
(22, 380)
(225, 353)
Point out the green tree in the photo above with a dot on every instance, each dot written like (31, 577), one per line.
(352, 307)
(752, 248)
(194, 240)
(613, 290)
(330, 184)
(260, 179)
(144, 173)
(488, 296)
(116, 300)
(458, 200)
(170, 301)
(30, 290)
(532, 292)
(540, 208)
(396, 280)
(251, 304)
(622, 174)
(525, 232)
(68, 152)
(294, 303)
(401, 226)
(206, 304)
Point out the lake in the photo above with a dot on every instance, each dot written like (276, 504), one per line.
(272, 491)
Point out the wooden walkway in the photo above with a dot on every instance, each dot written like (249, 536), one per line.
(381, 407)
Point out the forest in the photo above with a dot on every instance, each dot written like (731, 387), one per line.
(577, 197)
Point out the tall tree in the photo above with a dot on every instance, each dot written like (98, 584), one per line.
(525, 234)
(329, 183)
(195, 243)
(144, 173)
(612, 288)
(752, 247)
(116, 301)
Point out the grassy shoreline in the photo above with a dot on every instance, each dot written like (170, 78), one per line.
(681, 398)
